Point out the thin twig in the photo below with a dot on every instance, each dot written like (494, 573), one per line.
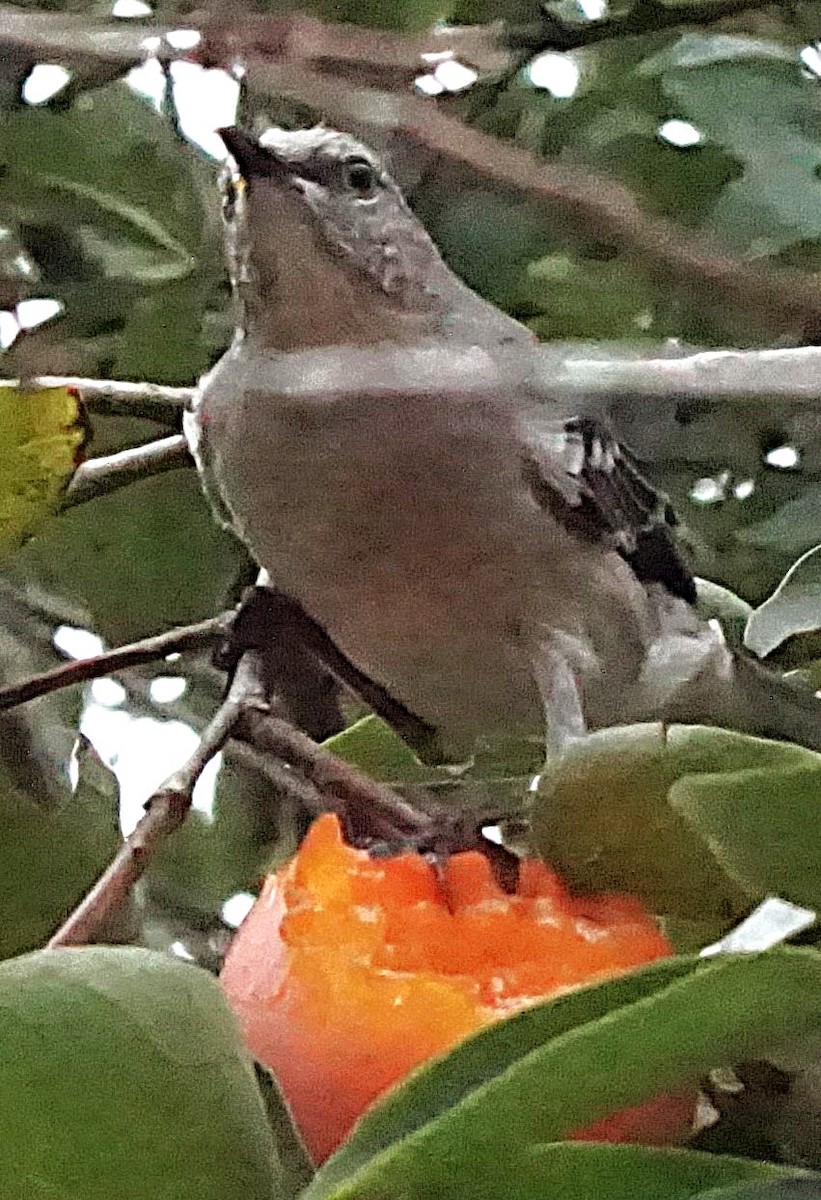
(544, 374)
(372, 812)
(389, 815)
(245, 714)
(166, 811)
(566, 370)
(119, 398)
(110, 472)
(176, 641)
(378, 57)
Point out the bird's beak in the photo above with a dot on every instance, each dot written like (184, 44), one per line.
(254, 161)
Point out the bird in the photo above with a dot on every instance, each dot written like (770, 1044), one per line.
(495, 565)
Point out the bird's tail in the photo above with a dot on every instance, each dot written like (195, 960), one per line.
(752, 698)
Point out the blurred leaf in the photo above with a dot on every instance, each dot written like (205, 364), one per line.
(579, 1171)
(562, 1065)
(142, 559)
(111, 152)
(113, 206)
(123, 1074)
(48, 860)
(40, 445)
(205, 863)
(794, 607)
(410, 16)
(297, 1168)
(793, 528)
(751, 98)
(695, 49)
(799, 1188)
(162, 338)
(761, 825)
(92, 813)
(603, 817)
(582, 297)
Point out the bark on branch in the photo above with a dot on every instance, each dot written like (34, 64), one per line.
(176, 641)
(115, 398)
(244, 713)
(110, 472)
(569, 371)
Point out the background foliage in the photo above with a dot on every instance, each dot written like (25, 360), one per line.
(709, 113)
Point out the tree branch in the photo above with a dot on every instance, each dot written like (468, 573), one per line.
(176, 641)
(165, 811)
(69, 37)
(732, 376)
(546, 374)
(371, 56)
(110, 472)
(244, 713)
(114, 398)
(391, 816)
(567, 371)
(646, 16)
(372, 812)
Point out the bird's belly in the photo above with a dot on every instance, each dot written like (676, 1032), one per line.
(440, 582)
(440, 629)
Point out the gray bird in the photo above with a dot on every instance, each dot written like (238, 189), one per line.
(497, 566)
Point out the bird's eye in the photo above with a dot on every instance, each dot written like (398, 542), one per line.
(360, 177)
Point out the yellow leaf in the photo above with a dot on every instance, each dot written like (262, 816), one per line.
(41, 441)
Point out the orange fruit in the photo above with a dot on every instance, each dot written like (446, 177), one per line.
(350, 970)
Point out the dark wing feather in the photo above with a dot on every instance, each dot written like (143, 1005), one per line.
(590, 484)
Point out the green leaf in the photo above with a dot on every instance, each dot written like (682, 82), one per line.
(561, 1066)
(751, 98)
(40, 445)
(48, 859)
(373, 746)
(794, 607)
(162, 337)
(580, 1171)
(448, 1081)
(114, 155)
(93, 810)
(792, 529)
(603, 818)
(704, 49)
(798, 1188)
(139, 560)
(297, 1168)
(697, 821)
(122, 1073)
(761, 826)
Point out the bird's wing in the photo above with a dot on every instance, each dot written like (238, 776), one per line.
(576, 470)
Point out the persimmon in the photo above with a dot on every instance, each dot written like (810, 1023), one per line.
(351, 970)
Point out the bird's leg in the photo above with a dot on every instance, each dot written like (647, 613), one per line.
(559, 685)
(278, 626)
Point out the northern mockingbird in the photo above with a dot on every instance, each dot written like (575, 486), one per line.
(497, 566)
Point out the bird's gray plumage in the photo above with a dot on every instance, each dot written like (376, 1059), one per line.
(483, 557)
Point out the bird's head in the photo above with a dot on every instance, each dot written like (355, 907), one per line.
(323, 244)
